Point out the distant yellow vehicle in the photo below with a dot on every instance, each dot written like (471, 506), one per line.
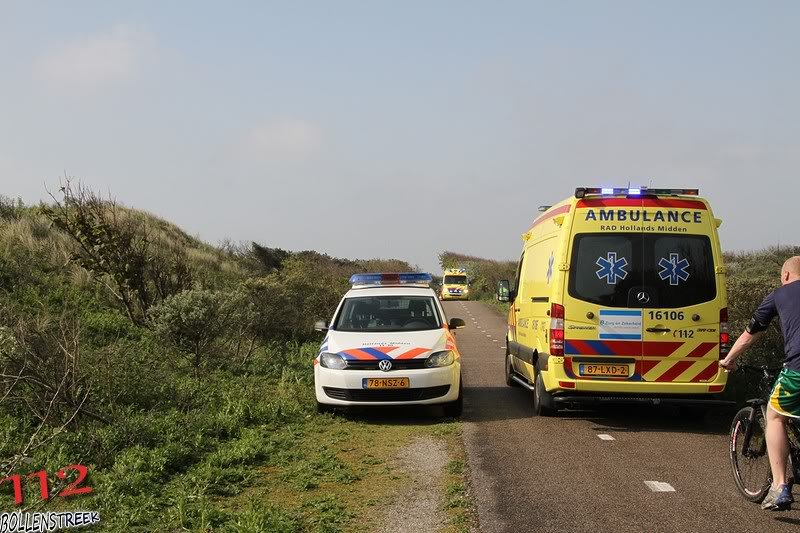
(455, 285)
(619, 296)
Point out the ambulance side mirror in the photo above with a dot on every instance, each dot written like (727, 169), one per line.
(503, 291)
(320, 325)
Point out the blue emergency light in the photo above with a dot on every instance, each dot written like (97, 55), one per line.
(583, 192)
(391, 278)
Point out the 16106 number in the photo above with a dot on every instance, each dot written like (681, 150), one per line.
(666, 315)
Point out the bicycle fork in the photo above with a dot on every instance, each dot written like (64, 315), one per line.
(756, 407)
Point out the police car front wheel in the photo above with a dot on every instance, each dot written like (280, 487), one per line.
(454, 409)
(324, 408)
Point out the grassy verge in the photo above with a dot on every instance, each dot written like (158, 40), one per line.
(500, 307)
(341, 472)
(244, 453)
(458, 502)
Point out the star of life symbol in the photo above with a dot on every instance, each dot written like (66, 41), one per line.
(550, 267)
(612, 269)
(674, 269)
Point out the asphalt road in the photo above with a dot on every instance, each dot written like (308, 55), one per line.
(556, 474)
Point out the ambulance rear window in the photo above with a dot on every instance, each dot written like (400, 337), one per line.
(455, 280)
(642, 270)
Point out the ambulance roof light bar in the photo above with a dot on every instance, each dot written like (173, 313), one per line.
(583, 192)
(378, 279)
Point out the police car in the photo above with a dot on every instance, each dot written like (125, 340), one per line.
(389, 343)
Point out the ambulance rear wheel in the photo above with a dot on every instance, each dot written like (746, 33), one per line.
(542, 399)
(509, 371)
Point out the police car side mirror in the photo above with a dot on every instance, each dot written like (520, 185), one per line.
(503, 291)
(457, 323)
(320, 325)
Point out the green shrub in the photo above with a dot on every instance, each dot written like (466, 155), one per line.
(192, 321)
(10, 208)
(745, 293)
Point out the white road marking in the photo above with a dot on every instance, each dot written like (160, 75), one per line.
(605, 436)
(659, 486)
(494, 340)
(488, 335)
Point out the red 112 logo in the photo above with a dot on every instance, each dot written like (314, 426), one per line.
(73, 489)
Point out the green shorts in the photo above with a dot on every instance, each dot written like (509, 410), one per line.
(785, 397)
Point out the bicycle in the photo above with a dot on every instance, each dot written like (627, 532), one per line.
(748, 444)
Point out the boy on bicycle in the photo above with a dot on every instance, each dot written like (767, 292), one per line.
(784, 401)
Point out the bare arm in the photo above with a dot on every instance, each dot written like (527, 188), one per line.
(741, 345)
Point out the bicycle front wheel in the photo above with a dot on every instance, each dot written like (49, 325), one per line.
(749, 460)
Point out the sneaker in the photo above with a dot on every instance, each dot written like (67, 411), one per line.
(778, 498)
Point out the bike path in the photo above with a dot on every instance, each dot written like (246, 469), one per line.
(557, 474)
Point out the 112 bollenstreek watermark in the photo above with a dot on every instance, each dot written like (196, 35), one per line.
(21, 522)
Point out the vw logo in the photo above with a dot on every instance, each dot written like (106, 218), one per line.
(643, 297)
(385, 365)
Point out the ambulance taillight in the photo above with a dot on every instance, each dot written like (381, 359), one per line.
(557, 330)
(724, 335)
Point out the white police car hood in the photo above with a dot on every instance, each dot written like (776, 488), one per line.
(360, 346)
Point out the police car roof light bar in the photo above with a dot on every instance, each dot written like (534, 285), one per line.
(391, 278)
(583, 192)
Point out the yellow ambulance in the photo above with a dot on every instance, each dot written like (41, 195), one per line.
(619, 297)
(455, 285)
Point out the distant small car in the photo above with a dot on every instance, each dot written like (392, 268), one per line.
(389, 343)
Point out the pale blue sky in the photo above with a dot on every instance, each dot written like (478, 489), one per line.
(399, 129)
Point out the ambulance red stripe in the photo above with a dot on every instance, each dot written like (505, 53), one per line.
(660, 349)
(643, 202)
(702, 349)
(676, 370)
(631, 349)
(647, 366)
(550, 214)
(709, 372)
(625, 348)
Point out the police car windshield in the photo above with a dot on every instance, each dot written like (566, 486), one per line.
(455, 280)
(614, 270)
(388, 313)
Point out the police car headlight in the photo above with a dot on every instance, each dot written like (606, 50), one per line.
(439, 359)
(334, 361)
